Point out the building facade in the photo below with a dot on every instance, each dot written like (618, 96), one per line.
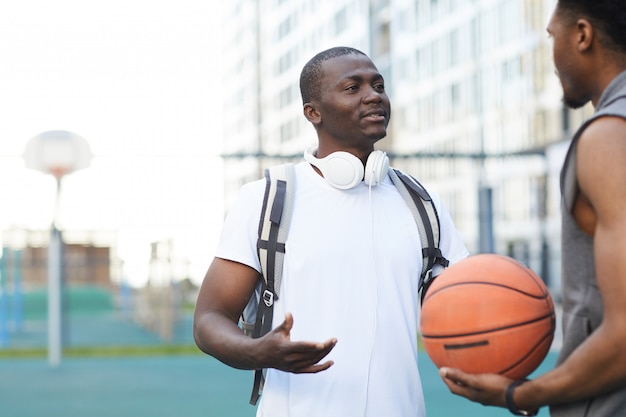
(266, 44)
(474, 88)
(476, 107)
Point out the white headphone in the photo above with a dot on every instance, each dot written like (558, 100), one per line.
(343, 170)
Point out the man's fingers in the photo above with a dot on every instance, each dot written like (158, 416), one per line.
(304, 357)
(313, 369)
(455, 376)
(326, 346)
(287, 324)
(455, 379)
(297, 357)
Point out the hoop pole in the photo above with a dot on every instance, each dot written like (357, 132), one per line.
(18, 292)
(55, 265)
(4, 319)
(54, 298)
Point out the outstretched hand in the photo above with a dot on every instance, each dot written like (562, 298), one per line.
(486, 389)
(278, 351)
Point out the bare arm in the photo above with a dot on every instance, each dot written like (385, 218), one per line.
(224, 293)
(599, 364)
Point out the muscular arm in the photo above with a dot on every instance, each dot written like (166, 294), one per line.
(224, 293)
(599, 364)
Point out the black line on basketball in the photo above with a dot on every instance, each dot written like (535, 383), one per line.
(530, 352)
(466, 345)
(456, 284)
(497, 329)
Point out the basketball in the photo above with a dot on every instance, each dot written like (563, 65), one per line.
(488, 314)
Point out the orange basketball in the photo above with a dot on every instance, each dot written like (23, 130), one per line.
(488, 314)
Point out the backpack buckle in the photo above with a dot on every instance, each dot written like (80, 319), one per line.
(268, 298)
(428, 276)
(428, 279)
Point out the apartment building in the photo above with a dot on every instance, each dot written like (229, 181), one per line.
(266, 44)
(477, 101)
(476, 107)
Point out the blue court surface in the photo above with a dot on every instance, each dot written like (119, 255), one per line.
(172, 386)
(149, 382)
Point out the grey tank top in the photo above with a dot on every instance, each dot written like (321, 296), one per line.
(582, 302)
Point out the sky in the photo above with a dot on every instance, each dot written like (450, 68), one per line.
(139, 81)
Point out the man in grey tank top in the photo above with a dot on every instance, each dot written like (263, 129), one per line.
(589, 51)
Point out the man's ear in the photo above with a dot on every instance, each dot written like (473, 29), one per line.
(312, 113)
(585, 35)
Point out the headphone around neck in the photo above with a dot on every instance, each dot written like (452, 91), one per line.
(343, 170)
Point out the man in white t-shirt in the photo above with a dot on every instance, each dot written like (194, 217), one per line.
(345, 328)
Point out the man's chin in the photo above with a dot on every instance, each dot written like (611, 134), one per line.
(574, 103)
(375, 137)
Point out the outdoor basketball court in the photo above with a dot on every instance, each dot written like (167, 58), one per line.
(132, 384)
(167, 386)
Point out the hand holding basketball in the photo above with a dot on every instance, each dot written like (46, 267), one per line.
(488, 314)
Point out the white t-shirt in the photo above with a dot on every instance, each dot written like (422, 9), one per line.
(353, 259)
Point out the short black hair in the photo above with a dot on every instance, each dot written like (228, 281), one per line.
(607, 16)
(311, 75)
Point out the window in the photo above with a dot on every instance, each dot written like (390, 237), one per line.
(285, 27)
(286, 61)
(340, 21)
(285, 97)
(454, 48)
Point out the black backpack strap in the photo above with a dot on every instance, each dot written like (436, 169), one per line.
(273, 230)
(425, 215)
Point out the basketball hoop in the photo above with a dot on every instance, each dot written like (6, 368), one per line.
(58, 171)
(57, 152)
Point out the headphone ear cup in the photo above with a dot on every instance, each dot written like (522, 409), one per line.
(340, 169)
(343, 170)
(376, 167)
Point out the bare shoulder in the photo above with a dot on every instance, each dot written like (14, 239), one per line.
(601, 163)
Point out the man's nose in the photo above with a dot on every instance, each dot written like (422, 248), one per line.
(373, 95)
